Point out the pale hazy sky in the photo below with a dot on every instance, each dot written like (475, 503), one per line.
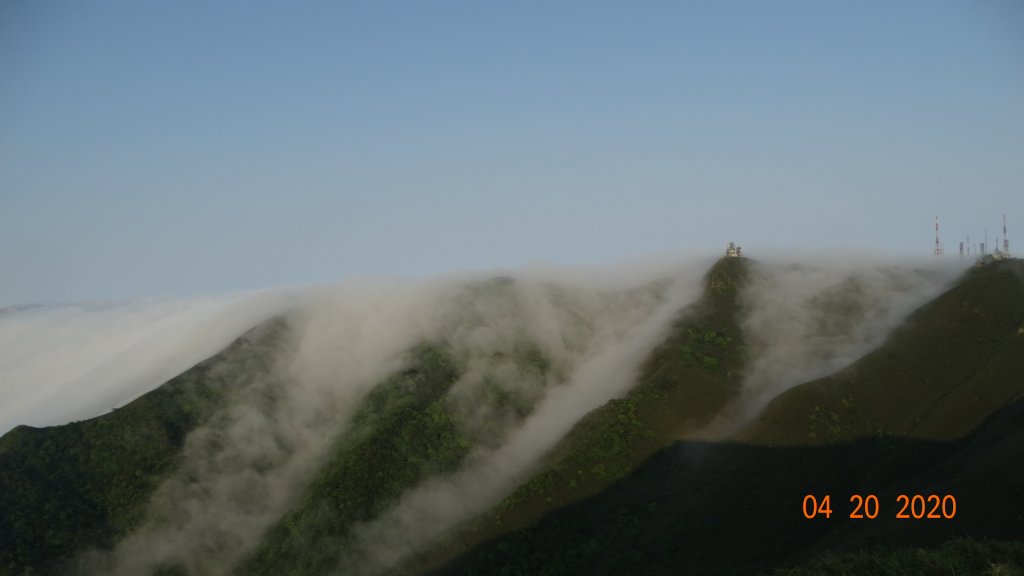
(182, 148)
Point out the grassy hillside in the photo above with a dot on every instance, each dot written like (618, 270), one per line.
(401, 434)
(936, 410)
(86, 483)
(407, 430)
(702, 508)
(684, 383)
(957, 556)
(707, 508)
(954, 362)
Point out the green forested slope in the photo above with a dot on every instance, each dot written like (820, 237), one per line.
(405, 431)
(85, 484)
(684, 383)
(936, 410)
(955, 361)
(402, 433)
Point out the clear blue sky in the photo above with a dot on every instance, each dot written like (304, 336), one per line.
(179, 148)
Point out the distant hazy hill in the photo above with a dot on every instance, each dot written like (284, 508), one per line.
(629, 489)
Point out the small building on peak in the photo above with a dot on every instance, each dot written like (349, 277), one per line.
(733, 251)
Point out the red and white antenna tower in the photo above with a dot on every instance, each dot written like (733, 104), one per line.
(1006, 243)
(938, 247)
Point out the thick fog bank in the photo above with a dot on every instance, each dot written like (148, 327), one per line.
(807, 315)
(60, 364)
(803, 316)
(241, 471)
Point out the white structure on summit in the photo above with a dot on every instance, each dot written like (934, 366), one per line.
(733, 251)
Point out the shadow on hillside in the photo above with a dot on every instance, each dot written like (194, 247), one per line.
(715, 508)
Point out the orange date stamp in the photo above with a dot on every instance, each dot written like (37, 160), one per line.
(910, 507)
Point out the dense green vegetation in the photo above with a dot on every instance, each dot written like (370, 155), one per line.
(955, 361)
(406, 430)
(402, 433)
(718, 508)
(682, 385)
(686, 380)
(85, 484)
(957, 556)
(936, 410)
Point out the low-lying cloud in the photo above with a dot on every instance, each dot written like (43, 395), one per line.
(808, 315)
(60, 364)
(242, 470)
(803, 318)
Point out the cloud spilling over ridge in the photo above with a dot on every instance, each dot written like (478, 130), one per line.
(807, 315)
(60, 364)
(804, 316)
(604, 371)
(241, 471)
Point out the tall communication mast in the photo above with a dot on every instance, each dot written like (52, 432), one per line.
(1006, 243)
(938, 246)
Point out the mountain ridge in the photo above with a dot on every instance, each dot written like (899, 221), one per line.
(690, 377)
(799, 447)
(86, 483)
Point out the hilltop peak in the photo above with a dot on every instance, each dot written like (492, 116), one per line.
(726, 276)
